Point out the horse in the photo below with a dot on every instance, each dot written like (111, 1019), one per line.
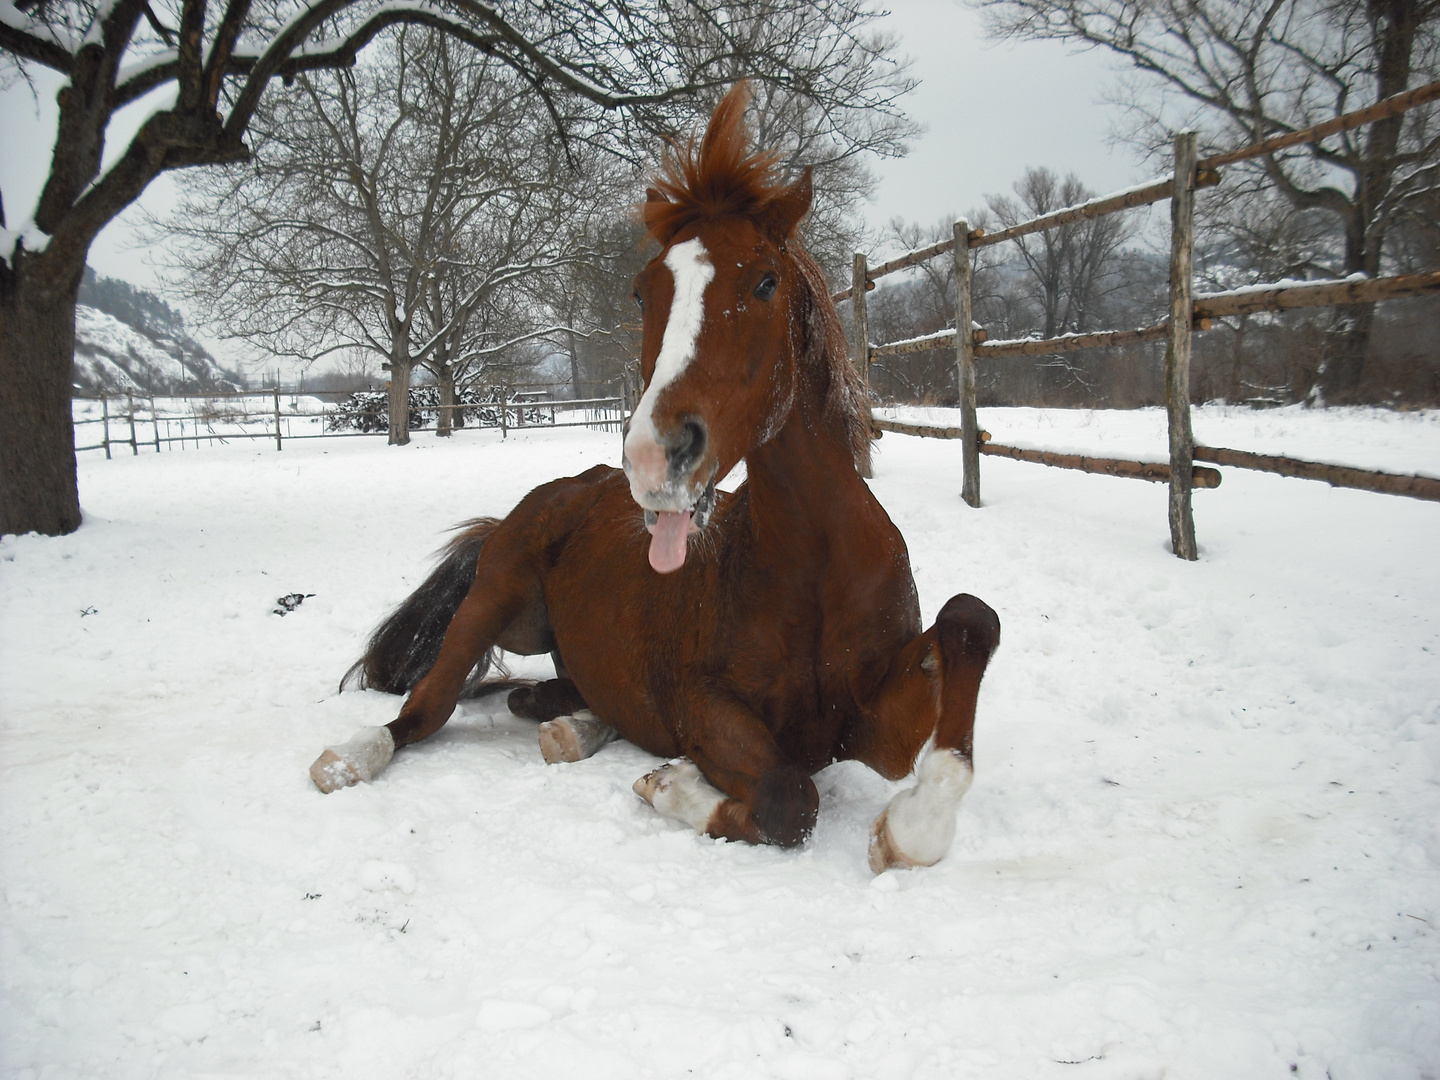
(752, 638)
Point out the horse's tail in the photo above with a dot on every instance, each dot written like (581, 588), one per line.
(404, 647)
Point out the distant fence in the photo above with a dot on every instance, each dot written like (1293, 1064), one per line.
(1189, 313)
(134, 422)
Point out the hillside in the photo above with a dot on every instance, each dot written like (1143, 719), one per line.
(129, 340)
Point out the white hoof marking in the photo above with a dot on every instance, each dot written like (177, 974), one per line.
(369, 751)
(678, 790)
(918, 826)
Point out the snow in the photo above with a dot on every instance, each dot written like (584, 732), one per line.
(28, 236)
(146, 64)
(15, 19)
(1397, 442)
(1297, 284)
(1203, 837)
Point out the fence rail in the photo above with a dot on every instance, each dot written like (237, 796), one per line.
(1188, 314)
(213, 418)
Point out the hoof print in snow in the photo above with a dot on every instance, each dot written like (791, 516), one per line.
(290, 601)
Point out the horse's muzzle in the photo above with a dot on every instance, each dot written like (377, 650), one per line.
(663, 468)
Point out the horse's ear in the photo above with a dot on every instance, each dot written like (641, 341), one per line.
(651, 195)
(784, 211)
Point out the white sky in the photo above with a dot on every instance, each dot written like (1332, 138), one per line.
(990, 110)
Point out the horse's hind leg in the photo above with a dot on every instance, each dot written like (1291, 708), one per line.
(932, 687)
(503, 606)
(569, 731)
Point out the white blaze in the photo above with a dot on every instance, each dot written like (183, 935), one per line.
(691, 269)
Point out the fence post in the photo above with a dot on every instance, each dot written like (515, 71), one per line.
(105, 413)
(504, 429)
(965, 359)
(130, 410)
(155, 423)
(277, 416)
(1177, 348)
(860, 279)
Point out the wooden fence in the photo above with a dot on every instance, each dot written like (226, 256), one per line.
(144, 422)
(1188, 313)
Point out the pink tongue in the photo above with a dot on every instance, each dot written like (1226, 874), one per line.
(667, 544)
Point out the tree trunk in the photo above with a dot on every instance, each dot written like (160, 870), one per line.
(576, 390)
(1396, 24)
(398, 402)
(38, 488)
(446, 378)
(1346, 345)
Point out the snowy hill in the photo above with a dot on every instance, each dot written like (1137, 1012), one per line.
(127, 339)
(111, 355)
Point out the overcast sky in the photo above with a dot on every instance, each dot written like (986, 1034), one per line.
(990, 111)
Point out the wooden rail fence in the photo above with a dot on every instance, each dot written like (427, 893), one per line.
(1188, 314)
(221, 417)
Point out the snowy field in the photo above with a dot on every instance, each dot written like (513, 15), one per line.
(1203, 839)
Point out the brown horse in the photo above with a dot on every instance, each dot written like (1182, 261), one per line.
(768, 633)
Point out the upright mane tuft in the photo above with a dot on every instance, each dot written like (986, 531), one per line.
(719, 178)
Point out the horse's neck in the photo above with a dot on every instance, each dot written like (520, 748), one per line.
(803, 482)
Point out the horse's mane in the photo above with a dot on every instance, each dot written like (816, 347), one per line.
(724, 177)
(721, 177)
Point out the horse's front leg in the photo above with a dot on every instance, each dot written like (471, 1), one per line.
(931, 690)
(737, 784)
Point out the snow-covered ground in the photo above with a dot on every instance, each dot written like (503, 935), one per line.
(1203, 840)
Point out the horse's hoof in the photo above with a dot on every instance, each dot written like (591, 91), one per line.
(332, 772)
(359, 759)
(654, 783)
(918, 826)
(574, 738)
(679, 790)
(885, 854)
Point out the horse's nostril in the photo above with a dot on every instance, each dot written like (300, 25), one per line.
(687, 447)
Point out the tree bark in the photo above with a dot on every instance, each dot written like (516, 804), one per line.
(398, 402)
(38, 487)
(445, 421)
(577, 390)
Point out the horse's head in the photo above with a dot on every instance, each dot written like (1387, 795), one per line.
(720, 327)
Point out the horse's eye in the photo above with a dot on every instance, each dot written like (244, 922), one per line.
(766, 289)
(639, 302)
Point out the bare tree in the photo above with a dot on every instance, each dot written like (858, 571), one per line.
(1070, 269)
(602, 70)
(388, 208)
(1249, 69)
